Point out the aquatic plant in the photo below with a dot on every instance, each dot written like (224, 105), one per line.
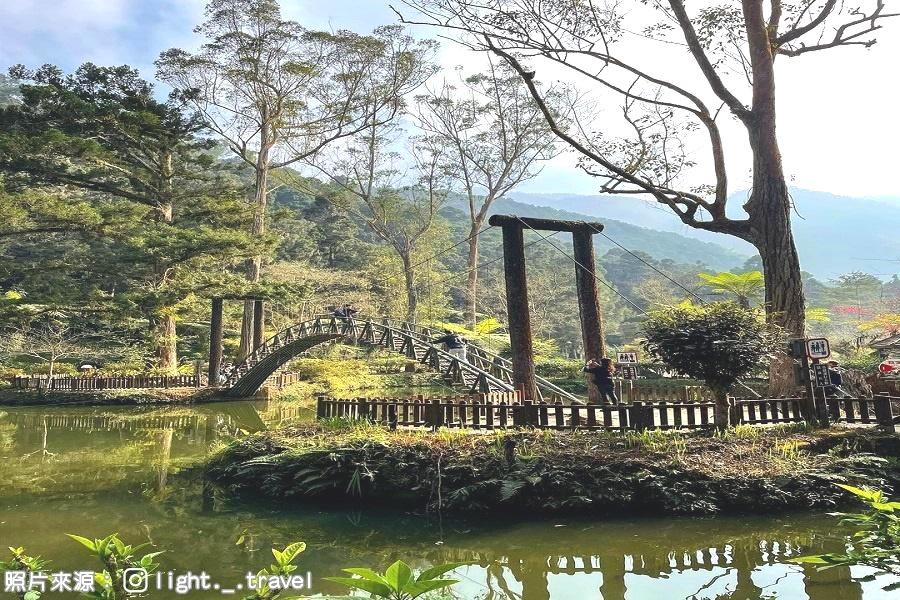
(26, 564)
(876, 542)
(121, 560)
(117, 557)
(398, 581)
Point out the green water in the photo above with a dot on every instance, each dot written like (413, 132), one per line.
(94, 471)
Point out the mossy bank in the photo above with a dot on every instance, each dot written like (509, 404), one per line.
(746, 470)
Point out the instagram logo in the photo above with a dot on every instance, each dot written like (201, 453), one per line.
(135, 580)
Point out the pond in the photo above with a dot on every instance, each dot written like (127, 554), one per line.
(93, 471)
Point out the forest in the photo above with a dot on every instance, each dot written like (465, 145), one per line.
(123, 213)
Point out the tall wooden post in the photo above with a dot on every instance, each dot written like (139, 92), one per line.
(517, 292)
(517, 310)
(215, 342)
(258, 328)
(588, 302)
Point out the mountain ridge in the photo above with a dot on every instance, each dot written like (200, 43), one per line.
(861, 232)
(661, 245)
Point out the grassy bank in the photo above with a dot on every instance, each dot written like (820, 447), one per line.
(746, 470)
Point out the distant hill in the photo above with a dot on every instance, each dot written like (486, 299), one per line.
(834, 234)
(658, 244)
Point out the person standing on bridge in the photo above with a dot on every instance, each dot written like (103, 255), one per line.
(602, 373)
(456, 344)
(345, 312)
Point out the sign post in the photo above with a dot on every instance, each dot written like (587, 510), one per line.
(627, 358)
(809, 374)
(818, 348)
(822, 375)
(628, 362)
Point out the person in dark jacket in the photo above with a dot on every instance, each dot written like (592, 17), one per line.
(456, 344)
(602, 373)
(836, 378)
(345, 312)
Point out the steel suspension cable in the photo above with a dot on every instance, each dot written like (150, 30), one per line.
(546, 238)
(637, 256)
(739, 382)
(484, 264)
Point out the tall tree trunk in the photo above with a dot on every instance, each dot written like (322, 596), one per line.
(165, 337)
(769, 205)
(412, 298)
(784, 299)
(166, 342)
(472, 280)
(254, 267)
(721, 411)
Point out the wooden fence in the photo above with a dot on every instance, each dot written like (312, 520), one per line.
(642, 390)
(90, 383)
(505, 409)
(76, 383)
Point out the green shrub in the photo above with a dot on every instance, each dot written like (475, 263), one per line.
(862, 359)
(719, 342)
(333, 375)
(559, 368)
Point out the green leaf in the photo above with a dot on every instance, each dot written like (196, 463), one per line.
(438, 570)
(812, 560)
(379, 589)
(89, 544)
(417, 589)
(398, 575)
(291, 551)
(32, 595)
(367, 574)
(870, 495)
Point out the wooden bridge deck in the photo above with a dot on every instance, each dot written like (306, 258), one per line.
(483, 371)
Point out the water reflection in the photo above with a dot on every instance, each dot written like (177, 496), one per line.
(94, 471)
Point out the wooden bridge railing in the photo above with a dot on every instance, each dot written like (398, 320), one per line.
(501, 410)
(245, 377)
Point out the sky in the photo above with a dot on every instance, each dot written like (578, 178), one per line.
(839, 122)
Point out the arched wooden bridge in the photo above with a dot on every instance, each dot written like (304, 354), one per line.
(483, 371)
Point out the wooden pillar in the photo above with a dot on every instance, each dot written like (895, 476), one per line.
(258, 327)
(588, 302)
(517, 311)
(215, 342)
